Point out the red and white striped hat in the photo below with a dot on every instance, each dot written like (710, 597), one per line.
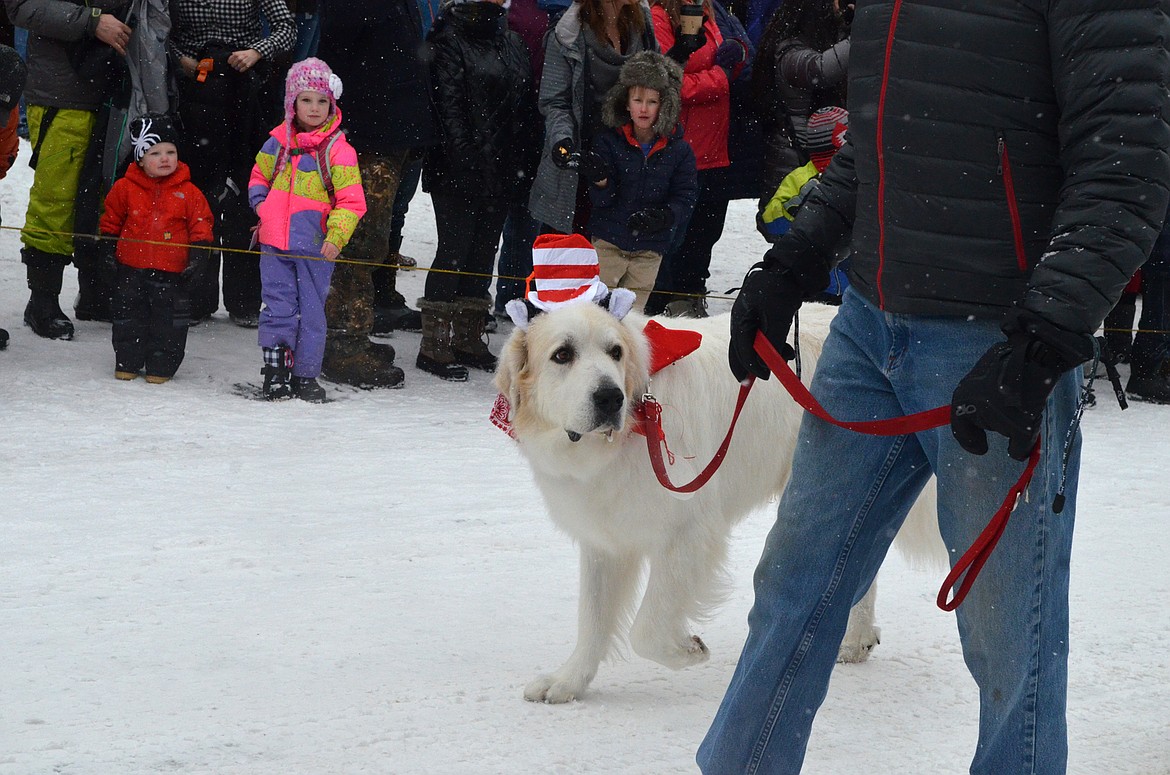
(564, 271)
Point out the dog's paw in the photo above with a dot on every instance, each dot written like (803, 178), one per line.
(857, 645)
(552, 690)
(692, 651)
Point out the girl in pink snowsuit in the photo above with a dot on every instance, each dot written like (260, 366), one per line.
(307, 190)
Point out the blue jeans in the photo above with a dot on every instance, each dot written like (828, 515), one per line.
(847, 497)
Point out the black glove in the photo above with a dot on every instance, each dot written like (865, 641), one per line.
(107, 252)
(1008, 387)
(563, 156)
(685, 45)
(771, 294)
(593, 167)
(198, 257)
(730, 53)
(650, 220)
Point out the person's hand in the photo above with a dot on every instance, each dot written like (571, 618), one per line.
(792, 270)
(685, 45)
(198, 257)
(593, 168)
(563, 156)
(730, 54)
(330, 252)
(189, 66)
(113, 33)
(1008, 387)
(650, 220)
(244, 60)
(107, 251)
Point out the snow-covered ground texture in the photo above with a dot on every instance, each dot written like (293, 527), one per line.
(192, 582)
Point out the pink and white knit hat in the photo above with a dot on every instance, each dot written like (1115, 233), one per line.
(310, 75)
(565, 271)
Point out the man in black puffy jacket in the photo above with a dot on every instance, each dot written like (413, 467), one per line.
(1004, 175)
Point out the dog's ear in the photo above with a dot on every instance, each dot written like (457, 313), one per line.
(512, 363)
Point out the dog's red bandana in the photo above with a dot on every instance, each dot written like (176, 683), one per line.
(667, 345)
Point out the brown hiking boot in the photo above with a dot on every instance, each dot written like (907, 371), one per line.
(467, 341)
(434, 351)
(360, 363)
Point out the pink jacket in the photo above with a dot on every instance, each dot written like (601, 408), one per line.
(295, 209)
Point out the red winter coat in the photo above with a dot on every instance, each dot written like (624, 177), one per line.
(169, 209)
(706, 95)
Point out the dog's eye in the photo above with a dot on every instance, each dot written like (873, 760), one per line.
(615, 352)
(563, 355)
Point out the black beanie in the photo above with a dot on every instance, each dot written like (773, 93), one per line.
(13, 74)
(149, 130)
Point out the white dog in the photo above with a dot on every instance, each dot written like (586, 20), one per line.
(571, 379)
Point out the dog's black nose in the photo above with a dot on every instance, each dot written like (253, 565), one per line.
(608, 400)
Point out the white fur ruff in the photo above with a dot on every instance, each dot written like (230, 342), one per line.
(559, 376)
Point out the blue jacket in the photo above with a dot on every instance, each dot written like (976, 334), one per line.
(665, 176)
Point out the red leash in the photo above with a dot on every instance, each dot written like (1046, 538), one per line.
(649, 413)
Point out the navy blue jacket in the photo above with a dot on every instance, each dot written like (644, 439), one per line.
(666, 176)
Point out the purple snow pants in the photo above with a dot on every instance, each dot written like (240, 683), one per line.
(293, 291)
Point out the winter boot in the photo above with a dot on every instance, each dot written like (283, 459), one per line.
(43, 313)
(1119, 327)
(44, 316)
(277, 373)
(355, 360)
(1154, 388)
(307, 389)
(467, 340)
(688, 307)
(434, 351)
(3, 339)
(390, 310)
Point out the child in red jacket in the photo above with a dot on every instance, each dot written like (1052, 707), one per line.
(153, 204)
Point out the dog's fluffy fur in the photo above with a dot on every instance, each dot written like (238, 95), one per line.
(572, 378)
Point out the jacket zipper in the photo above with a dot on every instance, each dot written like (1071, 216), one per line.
(881, 156)
(1005, 171)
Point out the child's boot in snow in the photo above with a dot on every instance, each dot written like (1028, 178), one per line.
(308, 389)
(277, 373)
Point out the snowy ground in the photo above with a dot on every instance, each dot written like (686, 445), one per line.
(191, 582)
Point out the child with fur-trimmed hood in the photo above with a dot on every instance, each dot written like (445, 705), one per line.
(643, 174)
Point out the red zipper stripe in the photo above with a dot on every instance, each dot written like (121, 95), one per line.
(881, 156)
(1009, 187)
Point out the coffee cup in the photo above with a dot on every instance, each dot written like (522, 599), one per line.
(691, 18)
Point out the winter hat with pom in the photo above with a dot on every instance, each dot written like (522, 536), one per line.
(310, 75)
(824, 135)
(650, 70)
(150, 129)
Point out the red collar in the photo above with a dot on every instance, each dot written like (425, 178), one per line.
(628, 131)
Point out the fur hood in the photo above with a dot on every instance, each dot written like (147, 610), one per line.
(650, 70)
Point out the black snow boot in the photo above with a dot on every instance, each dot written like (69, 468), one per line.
(277, 373)
(44, 316)
(308, 389)
(1154, 388)
(43, 313)
(3, 339)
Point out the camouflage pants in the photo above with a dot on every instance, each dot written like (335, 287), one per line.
(349, 310)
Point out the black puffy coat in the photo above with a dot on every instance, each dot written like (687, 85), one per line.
(483, 97)
(1022, 155)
